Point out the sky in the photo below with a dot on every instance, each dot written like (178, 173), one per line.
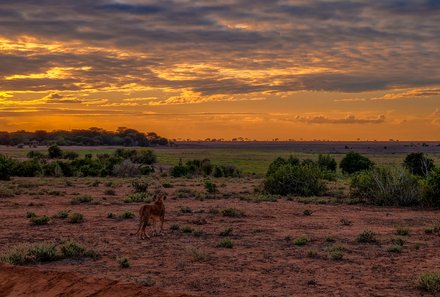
(258, 69)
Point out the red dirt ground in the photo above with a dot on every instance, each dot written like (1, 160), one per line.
(261, 263)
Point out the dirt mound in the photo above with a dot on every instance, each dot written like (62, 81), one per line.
(30, 281)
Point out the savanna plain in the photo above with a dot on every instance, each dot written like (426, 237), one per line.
(227, 231)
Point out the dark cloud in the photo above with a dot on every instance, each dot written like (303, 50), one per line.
(358, 45)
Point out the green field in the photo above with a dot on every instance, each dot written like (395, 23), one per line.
(251, 160)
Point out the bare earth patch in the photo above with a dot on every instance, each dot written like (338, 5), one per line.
(263, 261)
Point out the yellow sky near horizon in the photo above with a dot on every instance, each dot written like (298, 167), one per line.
(297, 70)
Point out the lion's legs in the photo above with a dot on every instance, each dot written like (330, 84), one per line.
(143, 233)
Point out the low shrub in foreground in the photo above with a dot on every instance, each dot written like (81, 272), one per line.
(232, 212)
(81, 200)
(138, 197)
(366, 237)
(429, 281)
(226, 243)
(24, 254)
(124, 262)
(43, 220)
(76, 218)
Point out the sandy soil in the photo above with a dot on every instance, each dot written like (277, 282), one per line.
(264, 261)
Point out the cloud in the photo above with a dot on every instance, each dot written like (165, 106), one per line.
(357, 45)
(57, 98)
(410, 94)
(350, 119)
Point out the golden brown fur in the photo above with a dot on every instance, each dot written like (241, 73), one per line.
(153, 211)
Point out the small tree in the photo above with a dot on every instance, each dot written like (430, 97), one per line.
(6, 165)
(418, 164)
(354, 162)
(55, 152)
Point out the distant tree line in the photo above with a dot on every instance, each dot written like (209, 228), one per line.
(88, 137)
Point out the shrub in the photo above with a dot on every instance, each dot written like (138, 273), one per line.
(76, 218)
(30, 214)
(43, 220)
(70, 155)
(62, 214)
(394, 248)
(210, 187)
(6, 165)
(226, 243)
(175, 227)
(124, 262)
(26, 254)
(28, 168)
(302, 180)
(72, 249)
(226, 232)
(186, 229)
(402, 231)
(197, 255)
(126, 215)
(431, 197)
(186, 209)
(300, 241)
(386, 186)
(429, 281)
(138, 197)
(345, 222)
(55, 152)
(366, 237)
(354, 162)
(418, 164)
(232, 212)
(307, 212)
(139, 186)
(126, 169)
(109, 192)
(35, 155)
(326, 162)
(147, 157)
(81, 200)
(336, 252)
(6, 193)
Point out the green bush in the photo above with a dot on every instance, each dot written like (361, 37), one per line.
(354, 162)
(431, 197)
(126, 169)
(28, 168)
(139, 186)
(226, 232)
(366, 237)
(418, 164)
(138, 197)
(300, 241)
(279, 162)
(301, 180)
(210, 187)
(76, 218)
(126, 215)
(28, 254)
(62, 214)
(146, 157)
(6, 165)
(326, 162)
(43, 220)
(70, 155)
(429, 281)
(72, 249)
(390, 186)
(232, 212)
(226, 243)
(124, 262)
(55, 152)
(81, 200)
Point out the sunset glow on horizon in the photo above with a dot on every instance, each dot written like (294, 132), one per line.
(329, 70)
